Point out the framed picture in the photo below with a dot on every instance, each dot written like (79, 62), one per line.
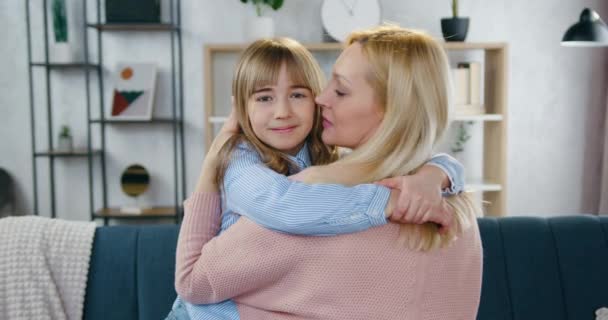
(134, 89)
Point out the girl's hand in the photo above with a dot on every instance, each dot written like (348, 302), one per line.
(419, 200)
(230, 128)
(207, 178)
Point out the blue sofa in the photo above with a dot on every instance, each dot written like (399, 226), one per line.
(534, 268)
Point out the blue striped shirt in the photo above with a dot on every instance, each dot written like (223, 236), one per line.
(275, 202)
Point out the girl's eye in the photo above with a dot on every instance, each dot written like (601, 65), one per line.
(263, 99)
(298, 95)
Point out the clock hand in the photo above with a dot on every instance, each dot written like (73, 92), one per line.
(350, 8)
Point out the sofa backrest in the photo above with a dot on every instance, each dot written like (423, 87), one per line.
(131, 273)
(534, 268)
(544, 268)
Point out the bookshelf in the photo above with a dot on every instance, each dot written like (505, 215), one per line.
(219, 61)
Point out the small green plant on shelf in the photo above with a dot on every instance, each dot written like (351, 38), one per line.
(65, 140)
(60, 23)
(274, 4)
(455, 8)
(462, 136)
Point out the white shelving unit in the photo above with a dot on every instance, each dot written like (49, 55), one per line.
(219, 60)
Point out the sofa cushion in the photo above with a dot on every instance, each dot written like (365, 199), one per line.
(111, 287)
(156, 270)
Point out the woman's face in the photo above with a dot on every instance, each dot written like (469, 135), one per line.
(351, 111)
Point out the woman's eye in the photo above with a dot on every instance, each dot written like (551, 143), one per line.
(263, 99)
(340, 93)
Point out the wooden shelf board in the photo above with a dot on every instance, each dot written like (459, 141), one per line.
(74, 153)
(478, 117)
(133, 26)
(154, 212)
(75, 65)
(483, 186)
(116, 121)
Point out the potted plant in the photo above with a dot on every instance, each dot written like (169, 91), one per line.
(61, 46)
(454, 28)
(261, 26)
(65, 140)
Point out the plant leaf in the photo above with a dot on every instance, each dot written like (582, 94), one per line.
(276, 4)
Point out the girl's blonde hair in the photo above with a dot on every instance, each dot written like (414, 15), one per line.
(410, 76)
(259, 66)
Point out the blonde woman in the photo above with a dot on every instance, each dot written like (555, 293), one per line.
(388, 101)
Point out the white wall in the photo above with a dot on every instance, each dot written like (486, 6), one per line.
(556, 97)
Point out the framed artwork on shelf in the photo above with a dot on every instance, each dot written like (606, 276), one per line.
(134, 89)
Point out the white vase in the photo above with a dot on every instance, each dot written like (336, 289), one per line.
(64, 144)
(62, 52)
(259, 27)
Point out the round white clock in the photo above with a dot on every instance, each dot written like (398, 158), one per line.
(341, 17)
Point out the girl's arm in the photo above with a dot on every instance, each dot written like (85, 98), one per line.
(453, 183)
(275, 202)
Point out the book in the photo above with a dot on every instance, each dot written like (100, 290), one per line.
(467, 88)
(460, 78)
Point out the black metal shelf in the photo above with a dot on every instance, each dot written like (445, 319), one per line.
(156, 212)
(52, 65)
(97, 27)
(67, 154)
(133, 26)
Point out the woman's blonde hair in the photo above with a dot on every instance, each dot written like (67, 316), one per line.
(259, 66)
(410, 76)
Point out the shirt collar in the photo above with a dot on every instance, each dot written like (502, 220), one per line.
(302, 158)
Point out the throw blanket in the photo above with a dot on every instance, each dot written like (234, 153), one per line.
(43, 267)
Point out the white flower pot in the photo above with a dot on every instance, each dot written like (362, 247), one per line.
(64, 144)
(259, 27)
(62, 52)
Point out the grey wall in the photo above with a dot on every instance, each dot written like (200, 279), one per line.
(556, 97)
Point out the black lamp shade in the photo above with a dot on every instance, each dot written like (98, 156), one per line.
(590, 31)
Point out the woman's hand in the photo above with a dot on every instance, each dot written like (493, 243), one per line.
(206, 181)
(419, 198)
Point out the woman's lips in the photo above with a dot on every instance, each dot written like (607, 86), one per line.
(283, 129)
(327, 123)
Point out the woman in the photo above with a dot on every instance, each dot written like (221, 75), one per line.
(388, 101)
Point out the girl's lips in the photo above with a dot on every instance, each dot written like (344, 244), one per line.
(283, 129)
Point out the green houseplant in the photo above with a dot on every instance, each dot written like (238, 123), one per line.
(261, 26)
(60, 21)
(259, 4)
(455, 28)
(62, 49)
(65, 140)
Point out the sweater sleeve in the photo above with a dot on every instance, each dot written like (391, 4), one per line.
(212, 269)
(201, 223)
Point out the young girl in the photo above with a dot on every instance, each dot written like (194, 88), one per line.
(280, 128)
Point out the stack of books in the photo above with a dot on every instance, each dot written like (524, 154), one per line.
(467, 88)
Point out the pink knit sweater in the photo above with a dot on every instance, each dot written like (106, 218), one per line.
(365, 275)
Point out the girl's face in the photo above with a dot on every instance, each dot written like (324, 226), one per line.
(282, 115)
(351, 111)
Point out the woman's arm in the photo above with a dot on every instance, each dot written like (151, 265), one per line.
(198, 227)
(241, 259)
